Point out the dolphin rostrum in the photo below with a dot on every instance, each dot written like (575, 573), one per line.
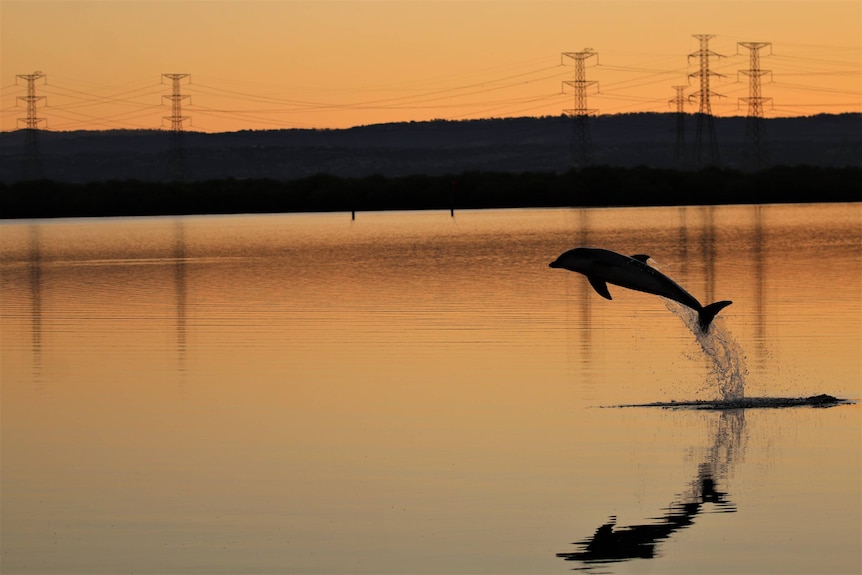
(604, 267)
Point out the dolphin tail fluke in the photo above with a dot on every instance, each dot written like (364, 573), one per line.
(707, 314)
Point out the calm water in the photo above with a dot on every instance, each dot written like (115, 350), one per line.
(414, 393)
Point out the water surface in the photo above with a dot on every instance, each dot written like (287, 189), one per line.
(415, 393)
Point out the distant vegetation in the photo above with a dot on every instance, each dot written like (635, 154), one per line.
(435, 148)
(587, 187)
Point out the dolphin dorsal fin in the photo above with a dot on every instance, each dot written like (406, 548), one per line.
(640, 257)
(600, 286)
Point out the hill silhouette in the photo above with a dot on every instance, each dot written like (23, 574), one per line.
(514, 145)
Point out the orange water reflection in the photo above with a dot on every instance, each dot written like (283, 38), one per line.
(414, 392)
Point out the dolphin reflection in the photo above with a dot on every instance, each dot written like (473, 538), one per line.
(611, 543)
(639, 541)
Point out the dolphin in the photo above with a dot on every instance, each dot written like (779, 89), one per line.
(604, 267)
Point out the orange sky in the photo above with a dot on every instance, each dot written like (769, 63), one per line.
(335, 64)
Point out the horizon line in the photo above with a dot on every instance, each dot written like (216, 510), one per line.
(431, 121)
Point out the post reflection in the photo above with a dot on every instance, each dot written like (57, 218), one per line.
(683, 240)
(760, 295)
(586, 295)
(703, 240)
(35, 283)
(612, 543)
(179, 257)
(708, 251)
(581, 299)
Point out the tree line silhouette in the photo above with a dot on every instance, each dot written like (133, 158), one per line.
(596, 186)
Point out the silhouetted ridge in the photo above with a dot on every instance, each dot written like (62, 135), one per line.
(512, 145)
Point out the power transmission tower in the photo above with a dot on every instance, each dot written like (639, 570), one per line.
(679, 101)
(177, 119)
(705, 120)
(756, 153)
(581, 146)
(32, 165)
(176, 153)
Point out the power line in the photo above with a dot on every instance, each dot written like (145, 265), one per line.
(86, 99)
(623, 88)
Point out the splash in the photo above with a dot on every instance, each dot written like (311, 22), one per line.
(726, 358)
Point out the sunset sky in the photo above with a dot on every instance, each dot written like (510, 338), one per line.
(335, 64)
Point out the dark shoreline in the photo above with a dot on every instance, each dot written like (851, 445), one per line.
(597, 186)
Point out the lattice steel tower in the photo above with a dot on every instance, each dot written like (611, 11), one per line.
(581, 147)
(679, 150)
(756, 152)
(177, 119)
(705, 120)
(32, 165)
(176, 163)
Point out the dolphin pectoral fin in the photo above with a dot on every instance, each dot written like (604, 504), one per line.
(640, 257)
(707, 314)
(600, 286)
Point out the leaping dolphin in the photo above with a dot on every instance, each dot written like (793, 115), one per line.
(604, 266)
